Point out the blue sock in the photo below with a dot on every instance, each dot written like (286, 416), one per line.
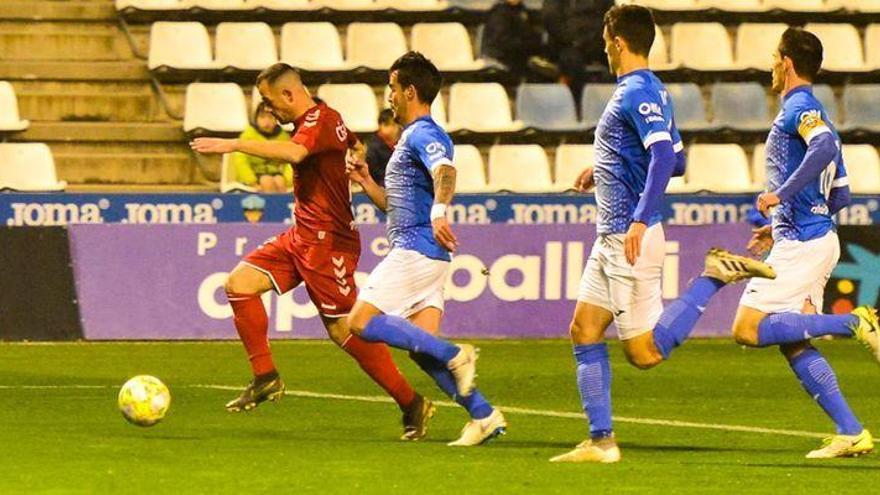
(477, 405)
(594, 385)
(678, 319)
(819, 381)
(788, 328)
(399, 332)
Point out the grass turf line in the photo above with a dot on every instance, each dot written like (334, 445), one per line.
(74, 441)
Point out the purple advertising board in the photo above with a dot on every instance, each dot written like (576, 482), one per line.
(166, 281)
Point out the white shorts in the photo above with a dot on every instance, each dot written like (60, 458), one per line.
(406, 282)
(632, 293)
(802, 270)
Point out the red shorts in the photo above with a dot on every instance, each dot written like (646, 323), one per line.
(326, 265)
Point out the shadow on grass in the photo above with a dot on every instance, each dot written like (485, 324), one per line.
(848, 467)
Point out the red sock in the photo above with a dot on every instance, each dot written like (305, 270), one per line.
(375, 360)
(252, 324)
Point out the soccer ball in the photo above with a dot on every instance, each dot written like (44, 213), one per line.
(144, 400)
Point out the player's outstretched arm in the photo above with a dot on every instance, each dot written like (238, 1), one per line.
(359, 172)
(283, 151)
(444, 189)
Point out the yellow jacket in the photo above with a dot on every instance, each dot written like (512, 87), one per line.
(248, 167)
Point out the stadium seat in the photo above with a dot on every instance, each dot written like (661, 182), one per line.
(872, 46)
(719, 168)
(350, 5)
(447, 44)
(825, 95)
(547, 107)
(519, 168)
(759, 167)
(223, 4)
(865, 6)
(245, 45)
(28, 167)
(312, 46)
(571, 159)
(375, 45)
(470, 173)
(702, 46)
(228, 180)
(841, 46)
(356, 103)
(215, 108)
(861, 105)
(480, 107)
(438, 107)
(154, 4)
(415, 5)
(678, 185)
(180, 45)
(287, 5)
(667, 4)
(802, 5)
(10, 120)
(687, 100)
(862, 167)
(593, 100)
(741, 106)
(734, 5)
(756, 43)
(658, 59)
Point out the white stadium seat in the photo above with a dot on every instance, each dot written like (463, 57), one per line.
(841, 46)
(350, 5)
(447, 44)
(180, 45)
(312, 46)
(355, 102)
(659, 56)
(701, 45)
(802, 5)
(215, 107)
(720, 168)
(375, 45)
(414, 5)
(228, 179)
(759, 167)
(10, 120)
(862, 168)
(470, 174)
(154, 4)
(519, 168)
(286, 5)
(223, 4)
(571, 159)
(734, 5)
(480, 107)
(438, 107)
(867, 6)
(872, 46)
(756, 43)
(28, 167)
(666, 4)
(245, 45)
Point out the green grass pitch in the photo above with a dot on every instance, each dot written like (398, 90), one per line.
(60, 437)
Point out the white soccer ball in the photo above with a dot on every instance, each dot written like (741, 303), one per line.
(144, 400)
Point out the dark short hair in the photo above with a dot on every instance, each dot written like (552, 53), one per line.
(413, 69)
(805, 51)
(633, 23)
(274, 72)
(386, 116)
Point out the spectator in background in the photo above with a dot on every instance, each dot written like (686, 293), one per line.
(510, 38)
(574, 37)
(267, 176)
(381, 145)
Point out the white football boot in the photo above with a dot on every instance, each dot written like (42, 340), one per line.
(589, 451)
(464, 369)
(480, 431)
(844, 446)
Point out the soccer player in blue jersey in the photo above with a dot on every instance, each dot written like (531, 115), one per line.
(638, 149)
(806, 185)
(401, 303)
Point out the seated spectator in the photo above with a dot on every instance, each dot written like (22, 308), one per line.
(381, 145)
(511, 39)
(266, 175)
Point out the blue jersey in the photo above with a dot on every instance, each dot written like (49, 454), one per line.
(409, 187)
(806, 215)
(638, 115)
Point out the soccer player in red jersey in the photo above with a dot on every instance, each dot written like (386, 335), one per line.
(322, 249)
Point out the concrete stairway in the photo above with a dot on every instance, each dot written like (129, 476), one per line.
(89, 96)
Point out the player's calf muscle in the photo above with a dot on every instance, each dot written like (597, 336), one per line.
(745, 326)
(246, 280)
(641, 352)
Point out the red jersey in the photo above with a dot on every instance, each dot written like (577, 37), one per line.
(321, 187)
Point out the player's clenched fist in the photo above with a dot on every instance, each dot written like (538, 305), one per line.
(584, 181)
(212, 145)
